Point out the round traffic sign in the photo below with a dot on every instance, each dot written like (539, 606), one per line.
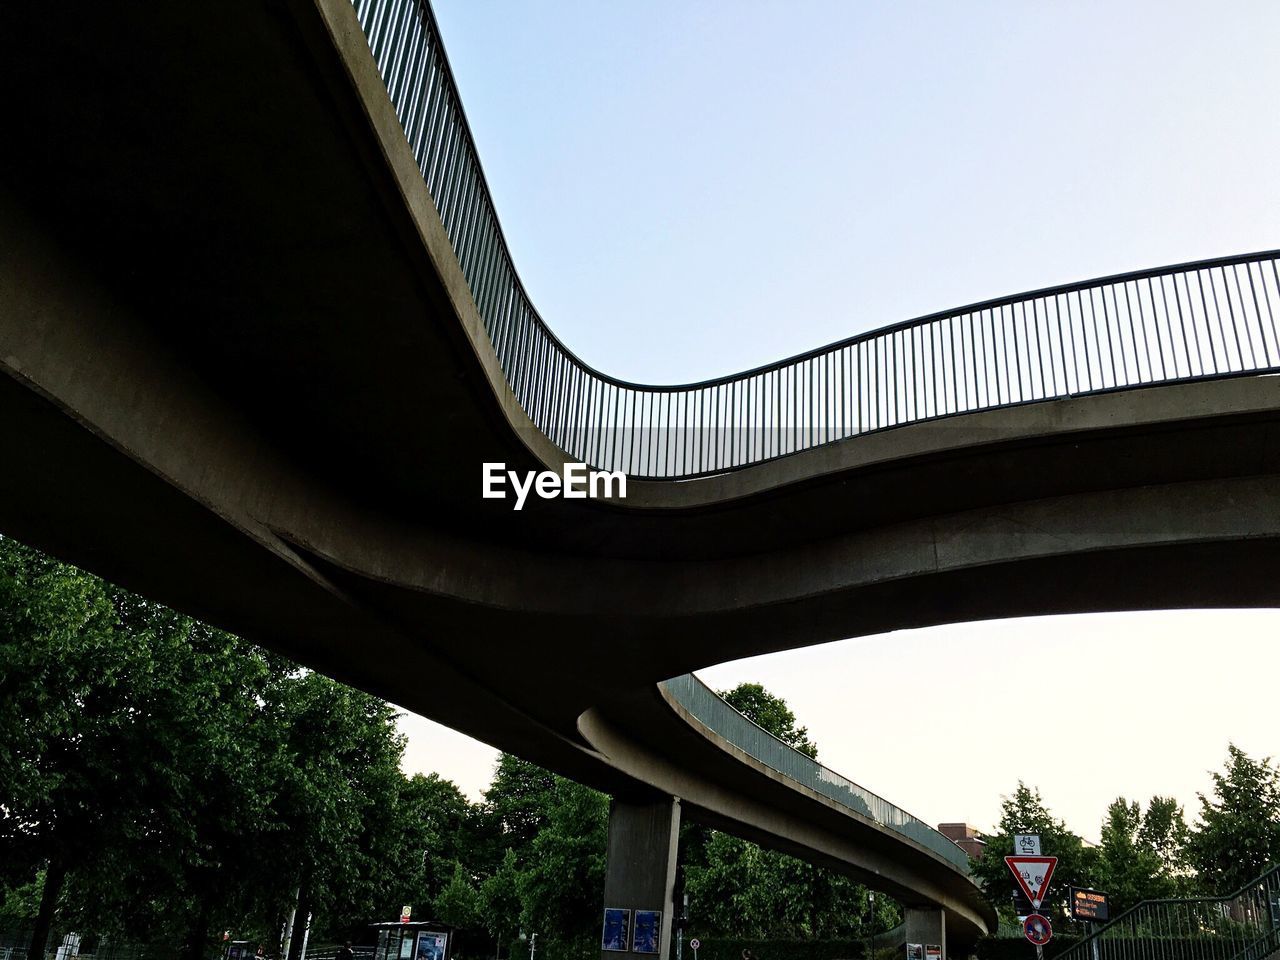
(695, 943)
(1036, 929)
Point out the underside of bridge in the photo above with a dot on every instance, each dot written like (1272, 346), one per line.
(244, 376)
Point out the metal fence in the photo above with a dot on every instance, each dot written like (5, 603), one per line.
(1244, 925)
(710, 709)
(330, 951)
(15, 945)
(1213, 318)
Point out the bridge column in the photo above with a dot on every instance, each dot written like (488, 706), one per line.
(926, 925)
(640, 872)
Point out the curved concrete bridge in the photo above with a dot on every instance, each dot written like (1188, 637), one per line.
(259, 334)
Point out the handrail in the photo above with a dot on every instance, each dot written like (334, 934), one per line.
(1201, 320)
(712, 711)
(1226, 926)
(1265, 946)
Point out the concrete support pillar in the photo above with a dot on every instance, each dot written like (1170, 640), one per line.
(926, 926)
(640, 872)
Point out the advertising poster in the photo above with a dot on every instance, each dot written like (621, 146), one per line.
(648, 930)
(617, 929)
(932, 951)
(431, 945)
(915, 951)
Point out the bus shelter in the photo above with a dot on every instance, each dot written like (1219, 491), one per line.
(427, 940)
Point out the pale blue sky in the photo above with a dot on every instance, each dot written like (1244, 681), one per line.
(694, 188)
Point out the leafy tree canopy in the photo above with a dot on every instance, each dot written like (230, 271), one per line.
(1024, 811)
(1134, 861)
(771, 714)
(1239, 831)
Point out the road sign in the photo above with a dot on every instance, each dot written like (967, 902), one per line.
(1026, 844)
(1033, 875)
(405, 913)
(1036, 929)
(695, 943)
(1022, 907)
(1090, 905)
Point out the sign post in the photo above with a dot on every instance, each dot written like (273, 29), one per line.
(1033, 873)
(1091, 906)
(694, 944)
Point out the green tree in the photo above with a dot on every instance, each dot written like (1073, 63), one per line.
(1238, 835)
(334, 777)
(56, 638)
(500, 904)
(728, 895)
(432, 823)
(1024, 811)
(458, 903)
(736, 888)
(562, 886)
(165, 778)
(520, 798)
(1164, 830)
(1130, 868)
(198, 695)
(20, 903)
(770, 713)
(101, 754)
(773, 715)
(743, 890)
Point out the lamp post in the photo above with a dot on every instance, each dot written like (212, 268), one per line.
(871, 922)
(680, 922)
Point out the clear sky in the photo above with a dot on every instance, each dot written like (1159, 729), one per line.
(692, 188)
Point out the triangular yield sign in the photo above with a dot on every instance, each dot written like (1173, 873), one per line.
(1032, 874)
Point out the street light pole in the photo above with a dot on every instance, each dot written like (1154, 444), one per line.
(680, 921)
(871, 923)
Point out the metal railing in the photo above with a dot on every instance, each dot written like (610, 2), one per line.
(1244, 925)
(330, 951)
(713, 712)
(1209, 319)
(15, 944)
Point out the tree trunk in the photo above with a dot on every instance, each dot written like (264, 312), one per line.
(198, 931)
(286, 945)
(54, 876)
(301, 915)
